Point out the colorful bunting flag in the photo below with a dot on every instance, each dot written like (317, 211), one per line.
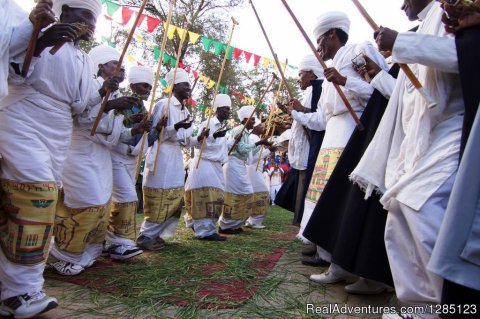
(206, 43)
(112, 7)
(152, 23)
(126, 15)
(193, 37)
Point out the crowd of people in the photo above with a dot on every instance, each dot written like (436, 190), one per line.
(393, 206)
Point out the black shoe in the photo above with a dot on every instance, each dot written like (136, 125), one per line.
(310, 250)
(239, 229)
(315, 262)
(213, 237)
(229, 231)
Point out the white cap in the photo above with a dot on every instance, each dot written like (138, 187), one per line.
(140, 74)
(310, 63)
(331, 20)
(244, 112)
(103, 54)
(222, 100)
(181, 76)
(95, 6)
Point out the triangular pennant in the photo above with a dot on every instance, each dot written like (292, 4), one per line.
(218, 47)
(193, 37)
(236, 53)
(206, 43)
(103, 1)
(107, 17)
(266, 62)
(139, 38)
(210, 84)
(229, 53)
(126, 15)
(142, 17)
(166, 58)
(256, 59)
(248, 55)
(164, 83)
(168, 89)
(152, 23)
(195, 74)
(130, 58)
(112, 7)
(173, 62)
(180, 32)
(156, 53)
(187, 69)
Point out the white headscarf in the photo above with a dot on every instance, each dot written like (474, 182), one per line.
(310, 63)
(331, 20)
(103, 54)
(94, 6)
(140, 74)
(181, 76)
(222, 100)
(245, 112)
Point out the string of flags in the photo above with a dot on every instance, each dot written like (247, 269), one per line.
(207, 43)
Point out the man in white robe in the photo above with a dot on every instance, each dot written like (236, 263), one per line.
(163, 178)
(331, 32)
(16, 29)
(121, 229)
(416, 150)
(238, 190)
(205, 185)
(33, 152)
(81, 219)
(261, 198)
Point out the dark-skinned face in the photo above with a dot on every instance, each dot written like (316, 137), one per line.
(223, 113)
(141, 89)
(182, 91)
(325, 45)
(250, 124)
(106, 70)
(73, 15)
(304, 79)
(413, 7)
(258, 130)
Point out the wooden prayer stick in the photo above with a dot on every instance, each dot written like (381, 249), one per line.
(324, 66)
(155, 85)
(277, 62)
(235, 22)
(275, 77)
(31, 47)
(270, 116)
(167, 108)
(405, 68)
(118, 67)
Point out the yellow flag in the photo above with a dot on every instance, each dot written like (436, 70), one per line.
(171, 30)
(193, 37)
(266, 62)
(131, 58)
(211, 83)
(168, 89)
(180, 32)
(139, 38)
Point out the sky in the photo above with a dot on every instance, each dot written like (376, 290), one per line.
(285, 37)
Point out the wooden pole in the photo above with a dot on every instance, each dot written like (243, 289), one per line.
(275, 57)
(118, 67)
(235, 22)
(320, 59)
(32, 44)
(275, 77)
(155, 85)
(167, 108)
(405, 68)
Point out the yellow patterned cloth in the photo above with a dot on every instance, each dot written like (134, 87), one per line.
(122, 219)
(326, 161)
(27, 212)
(75, 228)
(237, 207)
(205, 202)
(161, 204)
(261, 202)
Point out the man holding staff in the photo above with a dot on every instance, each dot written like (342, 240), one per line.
(33, 152)
(163, 189)
(205, 185)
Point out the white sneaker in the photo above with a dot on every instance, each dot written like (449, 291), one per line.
(329, 278)
(121, 252)
(66, 268)
(28, 305)
(367, 287)
(259, 226)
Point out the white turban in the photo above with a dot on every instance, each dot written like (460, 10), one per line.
(245, 112)
(222, 100)
(140, 74)
(103, 54)
(181, 76)
(310, 63)
(94, 6)
(331, 20)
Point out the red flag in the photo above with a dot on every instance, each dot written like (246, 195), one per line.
(126, 15)
(142, 17)
(152, 23)
(195, 74)
(248, 55)
(256, 59)
(236, 53)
